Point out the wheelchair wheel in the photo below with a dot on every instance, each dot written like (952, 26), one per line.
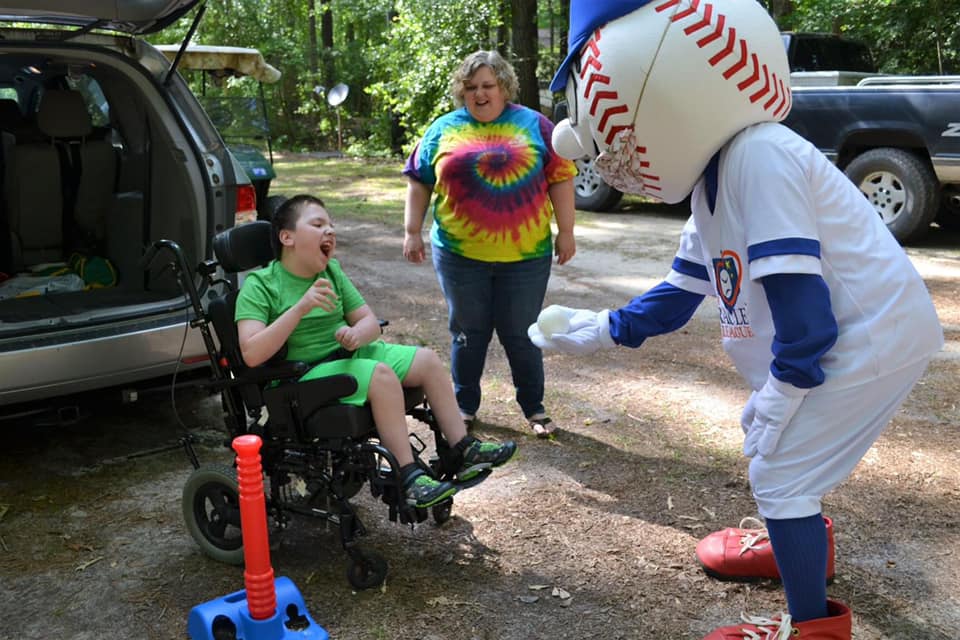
(366, 570)
(441, 512)
(211, 510)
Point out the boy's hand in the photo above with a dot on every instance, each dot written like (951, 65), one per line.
(349, 338)
(319, 294)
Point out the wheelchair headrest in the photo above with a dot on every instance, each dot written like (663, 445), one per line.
(244, 247)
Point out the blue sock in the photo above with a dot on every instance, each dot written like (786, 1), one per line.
(800, 547)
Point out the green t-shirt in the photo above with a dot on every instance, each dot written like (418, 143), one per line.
(268, 293)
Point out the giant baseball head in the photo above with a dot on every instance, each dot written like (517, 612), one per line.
(655, 87)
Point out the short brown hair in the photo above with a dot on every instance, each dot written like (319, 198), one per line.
(502, 70)
(287, 215)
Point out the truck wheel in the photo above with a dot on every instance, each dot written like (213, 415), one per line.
(591, 192)
(901, 187)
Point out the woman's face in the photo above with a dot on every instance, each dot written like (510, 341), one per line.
(483, 96)
(312, 241)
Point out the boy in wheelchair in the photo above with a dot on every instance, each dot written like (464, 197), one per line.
(304, 301)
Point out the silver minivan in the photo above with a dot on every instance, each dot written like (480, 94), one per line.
(104, 151)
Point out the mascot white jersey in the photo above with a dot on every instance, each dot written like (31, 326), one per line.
(820, 309)
(658, 89)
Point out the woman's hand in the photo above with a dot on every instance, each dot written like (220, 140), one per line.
(564, 246)
(413, 247)
(319, 294)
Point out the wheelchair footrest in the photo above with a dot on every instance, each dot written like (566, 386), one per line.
(474, 481)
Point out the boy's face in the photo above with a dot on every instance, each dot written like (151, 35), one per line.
(313, 240)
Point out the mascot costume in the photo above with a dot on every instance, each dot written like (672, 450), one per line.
(820, 310)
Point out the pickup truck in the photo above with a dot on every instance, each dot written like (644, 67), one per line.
(896, 137)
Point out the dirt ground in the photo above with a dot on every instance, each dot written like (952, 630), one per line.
(591, 535)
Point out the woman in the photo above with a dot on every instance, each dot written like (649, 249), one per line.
(498, 184)
(304, 300)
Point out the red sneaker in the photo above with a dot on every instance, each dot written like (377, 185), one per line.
(744, 554)
(836, 626)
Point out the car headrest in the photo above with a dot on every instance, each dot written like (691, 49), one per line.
(244, 247)
(63, 114)
(10, 114)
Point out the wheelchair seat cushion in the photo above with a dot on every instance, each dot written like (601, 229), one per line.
(397, 356)
(322, 418)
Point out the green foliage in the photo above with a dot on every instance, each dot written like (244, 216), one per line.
(396, 56)
(907, 36)
(426, 41)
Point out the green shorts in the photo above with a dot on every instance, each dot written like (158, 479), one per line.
(398, 357)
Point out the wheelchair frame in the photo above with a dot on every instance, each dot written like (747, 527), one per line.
(312, 471)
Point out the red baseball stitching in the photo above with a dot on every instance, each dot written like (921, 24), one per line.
(597, 90)
(781, 97)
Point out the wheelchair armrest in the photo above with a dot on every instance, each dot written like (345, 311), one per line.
(290, 405)
(273, 370)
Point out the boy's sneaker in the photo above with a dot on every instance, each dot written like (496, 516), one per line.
(479, 456)
(422, 491)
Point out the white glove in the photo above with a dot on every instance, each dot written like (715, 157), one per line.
(589, 331)
(749, 410)
(773, 407)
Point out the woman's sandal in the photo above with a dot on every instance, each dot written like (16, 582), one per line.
(542, 426)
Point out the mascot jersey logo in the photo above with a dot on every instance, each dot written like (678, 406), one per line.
(726, 268)
(728, 276)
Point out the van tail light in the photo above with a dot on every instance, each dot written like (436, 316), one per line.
(246, 204)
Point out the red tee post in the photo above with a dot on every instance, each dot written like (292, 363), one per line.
(258, 573)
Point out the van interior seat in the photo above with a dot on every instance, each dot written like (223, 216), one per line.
(11, 118)
(7, 179)
(65, 183)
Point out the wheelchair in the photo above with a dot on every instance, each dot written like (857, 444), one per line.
(317, 454)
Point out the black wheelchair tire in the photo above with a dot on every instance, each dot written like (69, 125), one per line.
(441, 512)
(366, 570)
(211, 512)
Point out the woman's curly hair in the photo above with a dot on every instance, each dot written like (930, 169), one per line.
(502, 70)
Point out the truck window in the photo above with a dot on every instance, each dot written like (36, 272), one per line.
(827, 53)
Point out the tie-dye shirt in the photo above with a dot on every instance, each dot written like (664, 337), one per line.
(490, 183)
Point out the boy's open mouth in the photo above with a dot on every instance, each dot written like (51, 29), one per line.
(327, 247)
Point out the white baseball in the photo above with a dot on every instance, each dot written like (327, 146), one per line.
(552, 320)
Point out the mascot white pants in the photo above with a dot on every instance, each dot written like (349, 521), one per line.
(820, 310)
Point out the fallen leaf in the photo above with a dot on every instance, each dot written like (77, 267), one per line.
(560, 593)
(538, 587)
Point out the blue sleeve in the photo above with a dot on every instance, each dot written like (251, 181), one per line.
(804, 324)
(663, 309)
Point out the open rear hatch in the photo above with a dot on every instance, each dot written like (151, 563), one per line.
(135, 17)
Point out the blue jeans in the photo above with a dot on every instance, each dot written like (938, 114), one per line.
(487, 296)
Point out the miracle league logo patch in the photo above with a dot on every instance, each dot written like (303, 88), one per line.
(727, 269)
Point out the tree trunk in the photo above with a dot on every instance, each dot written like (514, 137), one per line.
(326, 42)
(313, 51)
(525, 45)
